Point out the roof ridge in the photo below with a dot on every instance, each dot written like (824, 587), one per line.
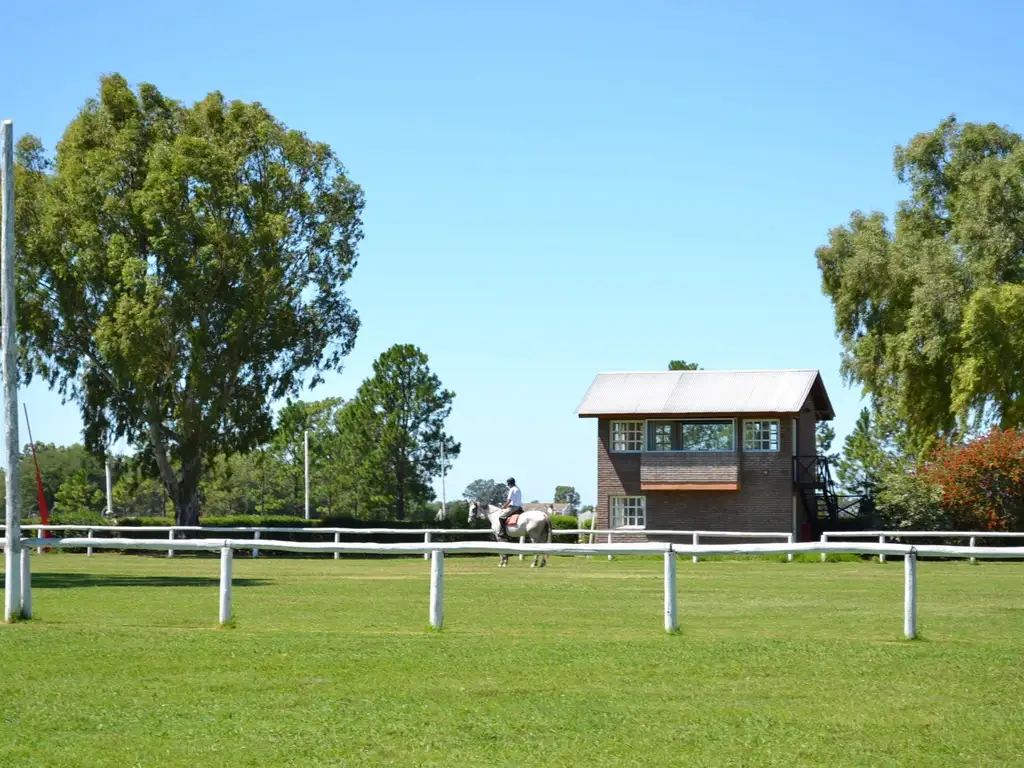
(764, 390)
(718, 370)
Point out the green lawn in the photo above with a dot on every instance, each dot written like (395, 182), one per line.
(329, 663)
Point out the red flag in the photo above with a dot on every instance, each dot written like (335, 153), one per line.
(44, 512)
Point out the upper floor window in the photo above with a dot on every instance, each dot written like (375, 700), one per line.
(662, 436)
(761, 435)
(708, 436)
(627, 435)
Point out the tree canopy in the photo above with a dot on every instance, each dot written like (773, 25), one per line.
(682, 365)
(57, 465)
(824, 436)
(930, 308)
(390, 435)
(869, 455)
(568, 495)
(181, 269)
(288, 444)
(485, 491)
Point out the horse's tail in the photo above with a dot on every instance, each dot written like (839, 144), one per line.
(550, 526)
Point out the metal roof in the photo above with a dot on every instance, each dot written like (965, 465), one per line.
(654, 393)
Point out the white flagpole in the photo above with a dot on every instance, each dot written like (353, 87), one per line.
(12, 459)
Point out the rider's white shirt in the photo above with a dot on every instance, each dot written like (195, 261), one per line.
(515, 496)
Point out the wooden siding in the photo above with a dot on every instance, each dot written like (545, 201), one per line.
(690, 467)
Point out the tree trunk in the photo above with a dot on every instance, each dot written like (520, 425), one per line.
(400, 504)
(184, 491)
(186, 501)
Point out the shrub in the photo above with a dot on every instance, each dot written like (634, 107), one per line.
(564, 522)
(909, 500)
(79, 517)
(74, 517)
(130, 521)
(982, 482)
(257, 521)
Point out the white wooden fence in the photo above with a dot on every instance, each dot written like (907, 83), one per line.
(437, 552)
(884, 536)
(172, 532)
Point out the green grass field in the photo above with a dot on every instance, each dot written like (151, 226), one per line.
(329, 663)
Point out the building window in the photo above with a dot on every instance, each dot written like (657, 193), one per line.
(661, 436)
(698, 436)
(761, 435)
(629, 512)
(627, 435)
(707, 436)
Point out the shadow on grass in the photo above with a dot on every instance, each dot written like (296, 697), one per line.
(74, 580)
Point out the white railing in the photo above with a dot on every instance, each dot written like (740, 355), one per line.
(436, 552)
(428, 533)
(883, 536)
(695, 536)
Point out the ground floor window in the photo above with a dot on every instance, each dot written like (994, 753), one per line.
(629, 512)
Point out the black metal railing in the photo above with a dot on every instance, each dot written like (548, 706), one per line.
(813, 471)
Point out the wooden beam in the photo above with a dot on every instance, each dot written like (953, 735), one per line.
(689, 486)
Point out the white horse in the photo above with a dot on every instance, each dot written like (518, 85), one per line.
(534, 525)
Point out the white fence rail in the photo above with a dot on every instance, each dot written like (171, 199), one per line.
(172, 532)
(437, 552)
(884, 536)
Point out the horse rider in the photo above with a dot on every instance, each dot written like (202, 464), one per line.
(513, 504)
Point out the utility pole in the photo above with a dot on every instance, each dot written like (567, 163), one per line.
(110, 492)
(305, 440)
(444, 502)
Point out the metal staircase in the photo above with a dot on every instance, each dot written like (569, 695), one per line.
(826, 508)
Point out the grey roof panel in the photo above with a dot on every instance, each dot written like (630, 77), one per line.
(704, 392)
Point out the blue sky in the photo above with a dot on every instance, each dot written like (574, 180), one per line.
(561, 188)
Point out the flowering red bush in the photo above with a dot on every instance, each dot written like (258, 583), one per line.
(982, 482)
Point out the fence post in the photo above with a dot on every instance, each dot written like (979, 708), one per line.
(255, 550)
(226, 556)
(426, 540)
(170, 537)
(696, 542)
(910, 596)
(337, 540)
(436, 589)
(881, 555)
(789, 540)
(26, 583)
(972, 544)
(610, 557)
(88, 550)
(824, 540)
(671, 620)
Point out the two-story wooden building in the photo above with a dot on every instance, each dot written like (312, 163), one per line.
(709, 450)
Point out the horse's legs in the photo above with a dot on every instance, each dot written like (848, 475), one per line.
(535, 540)
(543, 558)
